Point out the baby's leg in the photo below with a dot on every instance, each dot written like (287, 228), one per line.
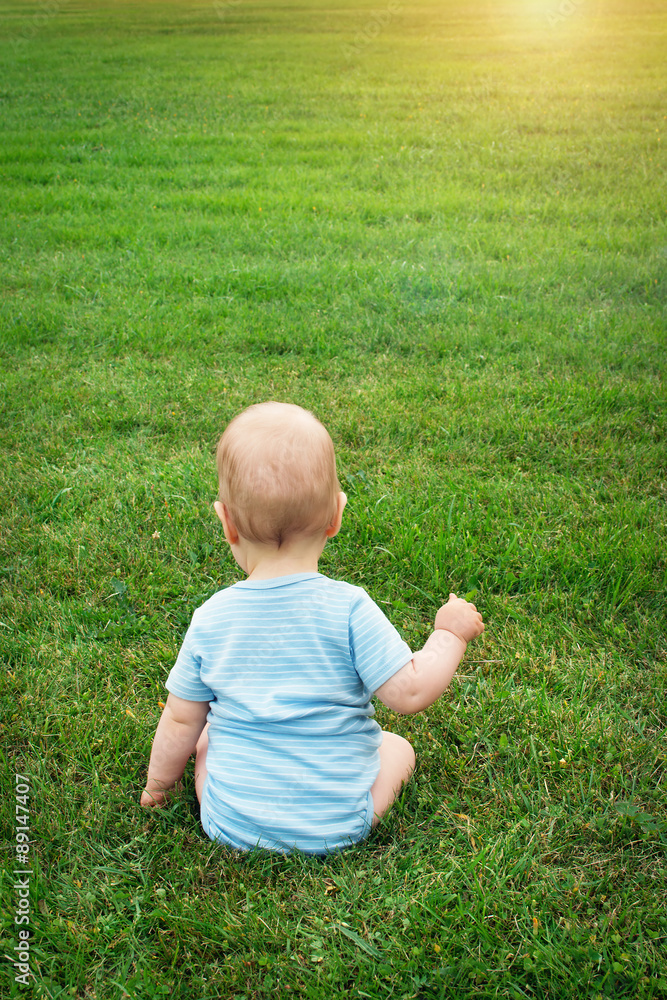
(397, 762)
(200, 762)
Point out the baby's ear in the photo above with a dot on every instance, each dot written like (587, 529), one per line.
(334, 527)
(219, 508)
(228, 526)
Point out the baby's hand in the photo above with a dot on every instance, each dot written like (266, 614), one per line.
(461, 618)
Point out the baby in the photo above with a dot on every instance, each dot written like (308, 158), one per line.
(283, 665)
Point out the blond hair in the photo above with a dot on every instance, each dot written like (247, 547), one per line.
(277, 473)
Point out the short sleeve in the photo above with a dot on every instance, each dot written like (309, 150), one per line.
(376, 648)
(184, 680)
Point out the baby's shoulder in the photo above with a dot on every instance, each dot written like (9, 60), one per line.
(350, 594)
(214, 605)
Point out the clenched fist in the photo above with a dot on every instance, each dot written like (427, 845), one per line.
(460, 617)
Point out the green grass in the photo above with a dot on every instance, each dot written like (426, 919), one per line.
(442, 227)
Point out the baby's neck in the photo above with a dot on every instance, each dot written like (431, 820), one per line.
(264, 562)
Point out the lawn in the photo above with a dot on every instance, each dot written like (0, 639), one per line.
(442, 227)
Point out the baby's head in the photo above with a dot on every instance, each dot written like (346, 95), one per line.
(277, 473)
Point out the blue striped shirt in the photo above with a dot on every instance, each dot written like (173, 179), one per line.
(289, 666)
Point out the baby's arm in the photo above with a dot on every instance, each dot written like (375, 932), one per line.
(427, 675)
(178, 730)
